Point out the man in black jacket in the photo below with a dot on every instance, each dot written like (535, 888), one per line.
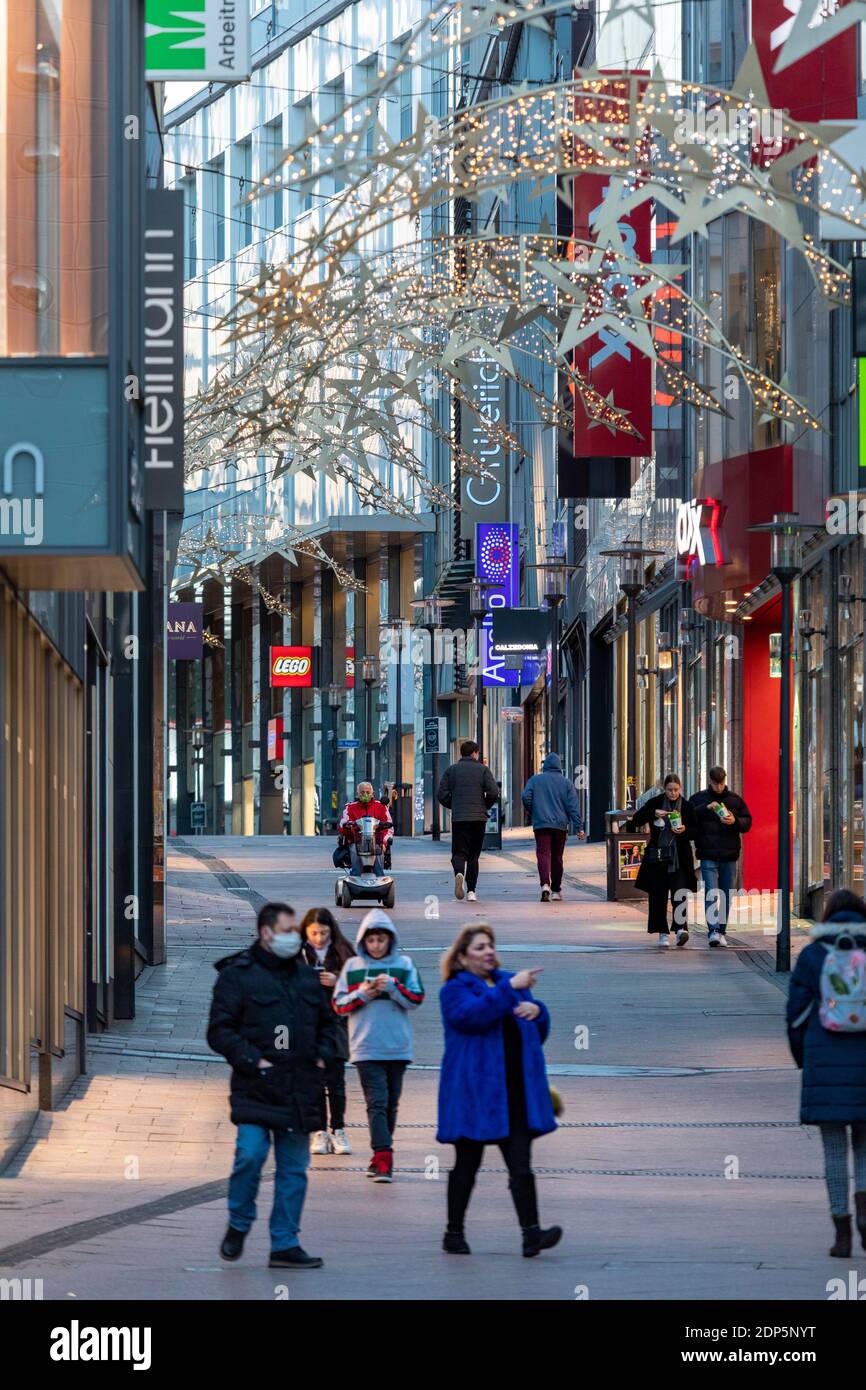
(272, 1021)
(468, 790)
(722, 817)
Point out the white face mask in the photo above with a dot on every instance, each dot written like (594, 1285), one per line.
(285, 944)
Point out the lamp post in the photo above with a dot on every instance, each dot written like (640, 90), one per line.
(632, 561)
(431, 620)
(335, 698)
(370, 677)
(785, 532)
(478, 611)
(555, 583)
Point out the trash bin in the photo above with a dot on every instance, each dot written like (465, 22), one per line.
(402, 808)
(625, 851)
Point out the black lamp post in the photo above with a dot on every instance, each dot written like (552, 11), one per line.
(555, 583)
(786, 532)
(370, 677)
(478, 611)
(632, 561)
(431, 620)
(335, 698)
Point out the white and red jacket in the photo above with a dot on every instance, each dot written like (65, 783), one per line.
(355, 810)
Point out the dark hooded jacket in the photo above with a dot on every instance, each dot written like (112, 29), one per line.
(276, 1009)
(551, 798)
(833, 1064)
(468, 790)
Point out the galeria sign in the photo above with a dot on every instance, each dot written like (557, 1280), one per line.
(187, 40)
(698, 533)
(292, 666)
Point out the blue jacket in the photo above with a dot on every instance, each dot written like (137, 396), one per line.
(551, 798)
(473, 1102)
(833, 1064)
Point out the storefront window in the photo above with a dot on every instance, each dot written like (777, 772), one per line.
(816, 800)
(697, 773)
(53, 178)
(851, 728)
(766, 276)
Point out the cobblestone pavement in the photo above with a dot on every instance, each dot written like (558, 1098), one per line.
(679, 1171)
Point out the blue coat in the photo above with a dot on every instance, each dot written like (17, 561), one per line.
(473, 1102)
(551, 798)
(833, 1064)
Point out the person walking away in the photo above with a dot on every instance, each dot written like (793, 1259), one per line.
(468, 790)
(271, 1020)
(552, 801)
(721, 818)
(667, 870)
(377, 990)
(826, 1019)
(326, 950)
(493, 1085)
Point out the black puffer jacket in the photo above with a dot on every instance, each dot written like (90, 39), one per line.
(468, 790)
(259, 1004)
(713, 839)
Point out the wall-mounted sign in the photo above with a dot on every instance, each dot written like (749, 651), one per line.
(162, 388)
(435, 734)
(184, 627)
(292, 666)
(483, 499)
(609, 360)
(512, 714)
(276, 735)
(185, 40)
(700, 539)
(818, 87)
(520, 632)
(350, 668)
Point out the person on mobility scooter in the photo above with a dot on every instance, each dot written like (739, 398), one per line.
(365, 805)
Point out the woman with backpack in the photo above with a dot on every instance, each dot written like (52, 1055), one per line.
(667, 869)
(827, 1033)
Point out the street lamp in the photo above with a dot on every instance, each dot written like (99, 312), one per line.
(370, 677)
(785, 532)
(431, 620)
(335, 698)
(478, 611)
(554, 585)
(632, 561)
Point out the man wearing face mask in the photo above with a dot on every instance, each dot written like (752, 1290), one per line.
(367, 805)
(272, 1022)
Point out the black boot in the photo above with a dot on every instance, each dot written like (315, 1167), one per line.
(842, 1244)
(860, 1200)
(536, 1239)
(233, 1244)
(294, 1258)
(454, 1243)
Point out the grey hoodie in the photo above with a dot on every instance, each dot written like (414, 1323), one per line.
(380, 1029)
(551, 798)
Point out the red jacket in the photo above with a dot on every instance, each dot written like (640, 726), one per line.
(356, 809)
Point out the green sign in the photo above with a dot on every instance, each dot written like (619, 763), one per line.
(189, 39)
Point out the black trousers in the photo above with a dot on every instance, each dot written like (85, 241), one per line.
(335, 1089)
(382, 1084)
(517, 1152)
(467, 837)
(666, 887)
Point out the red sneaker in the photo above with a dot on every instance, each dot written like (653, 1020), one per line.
(382, 1166)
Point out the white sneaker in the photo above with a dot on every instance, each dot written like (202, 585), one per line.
(321, 1142)
(713, 939)
(556, 897)
(723, 940)
(470, 896)
(340, 1142)
(545, 892)
(458, 886)
(682, 936)
(664, 939)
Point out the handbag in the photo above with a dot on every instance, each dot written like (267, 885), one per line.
(660, 854)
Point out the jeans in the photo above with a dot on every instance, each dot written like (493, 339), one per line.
(292, 1155)
(467, 837)
(549, 846)
(382, 1083)
(516, 1149)
(718, 876)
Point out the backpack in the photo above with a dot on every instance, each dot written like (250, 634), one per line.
(843, 987)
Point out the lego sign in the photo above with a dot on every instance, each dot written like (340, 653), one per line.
(291, 666)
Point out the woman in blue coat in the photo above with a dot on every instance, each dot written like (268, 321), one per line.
(834, 1067)
(493, 1083)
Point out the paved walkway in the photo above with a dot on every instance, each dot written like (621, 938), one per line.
(679, 1170)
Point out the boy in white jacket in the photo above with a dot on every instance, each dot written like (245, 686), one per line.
(377, 990)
